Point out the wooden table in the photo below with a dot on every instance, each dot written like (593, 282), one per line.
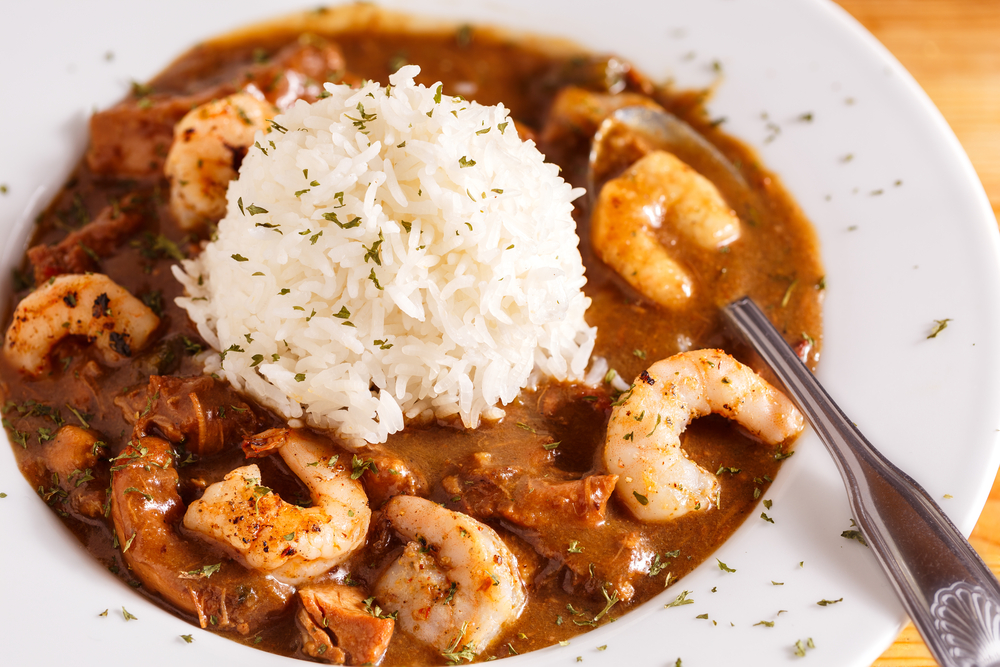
(952, 48)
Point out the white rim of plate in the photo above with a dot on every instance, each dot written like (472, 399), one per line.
(912, 397)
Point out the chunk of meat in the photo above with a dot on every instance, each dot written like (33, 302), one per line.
(133, 137)
(340, 626)
(615, 148)
(71, 456)
(562, 520)
(79, 251)
(607, 560)
(389, 476)
(201, 412)
(71, 450)
(298, 72)
(532, 502)
(147, 510)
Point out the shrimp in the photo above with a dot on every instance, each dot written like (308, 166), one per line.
(657, 481)
(657, 190)
(293, 544)
(208, 148)
(456, 585)
(146, 509)
(90, 305)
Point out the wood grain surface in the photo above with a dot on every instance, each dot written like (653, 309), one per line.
(952, 49)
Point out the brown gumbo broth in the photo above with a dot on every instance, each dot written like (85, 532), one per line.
(563, 563)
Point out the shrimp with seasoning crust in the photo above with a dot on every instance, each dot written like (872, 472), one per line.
(293, 544)
(456, 584)
(209, 145)
(656, 479)
(90, 305)
(146, 509)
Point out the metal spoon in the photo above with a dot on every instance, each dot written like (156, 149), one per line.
(658, 130)
(952, 597)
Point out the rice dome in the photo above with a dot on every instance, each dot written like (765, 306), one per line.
(391, 253)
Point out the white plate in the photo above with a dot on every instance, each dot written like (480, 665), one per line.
(920, 251)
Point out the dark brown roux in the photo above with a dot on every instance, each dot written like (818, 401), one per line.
(776, 262)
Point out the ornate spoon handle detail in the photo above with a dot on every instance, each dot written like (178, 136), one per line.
(952, 597)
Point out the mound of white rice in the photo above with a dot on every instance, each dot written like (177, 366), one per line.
(391, 253)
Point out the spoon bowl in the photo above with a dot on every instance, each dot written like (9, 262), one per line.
(651, 129)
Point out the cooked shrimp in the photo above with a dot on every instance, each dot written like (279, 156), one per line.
(659, 190)
(208, 148)
(456, 585)
(656, 480)
(90, 305)
(146, 509)
(294, 544)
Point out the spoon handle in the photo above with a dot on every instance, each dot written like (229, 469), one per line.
(952, 597)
